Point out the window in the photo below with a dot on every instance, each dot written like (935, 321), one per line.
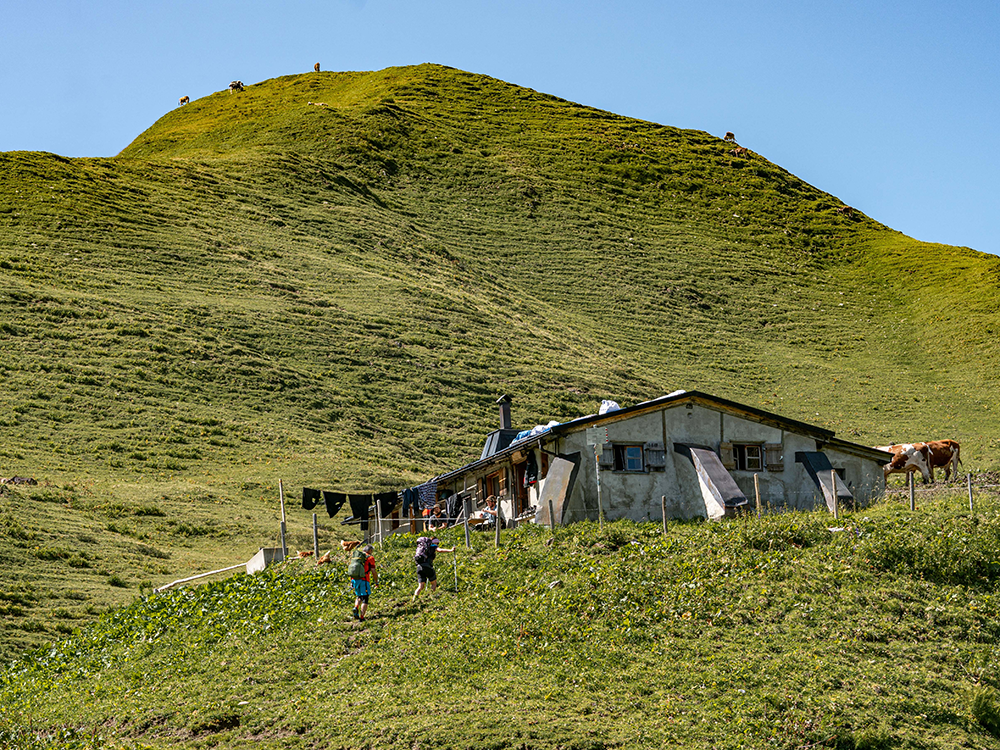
(749, 457)
(742, 456)
(628, 458)
(634, 457)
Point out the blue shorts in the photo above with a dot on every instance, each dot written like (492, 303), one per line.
(361, 587)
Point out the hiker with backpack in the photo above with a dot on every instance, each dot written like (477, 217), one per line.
(363, 575)
(427, 548)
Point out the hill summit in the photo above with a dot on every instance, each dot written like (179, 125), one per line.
(345, 267)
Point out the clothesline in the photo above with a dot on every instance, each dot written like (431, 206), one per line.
(421, 497)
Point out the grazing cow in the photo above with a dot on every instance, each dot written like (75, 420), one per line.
(943, 454)
(739, 151)
(907, 458)
(730, 137)
(316, 67)
(183, 100)
(235, 86)
(846, 211)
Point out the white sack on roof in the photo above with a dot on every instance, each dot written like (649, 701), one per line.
(608, 406)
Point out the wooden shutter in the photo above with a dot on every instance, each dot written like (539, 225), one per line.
(502, 482)
(726, 455)
(656, 457)
(543, 468)
(607, 460)
(774, 458)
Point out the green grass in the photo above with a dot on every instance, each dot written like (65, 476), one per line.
(261, 288)
(741, 634)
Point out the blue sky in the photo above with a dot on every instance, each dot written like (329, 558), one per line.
(890, 106)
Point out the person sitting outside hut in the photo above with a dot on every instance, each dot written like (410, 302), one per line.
(437, 519)
(490, 513)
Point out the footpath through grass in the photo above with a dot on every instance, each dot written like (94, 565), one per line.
(743, 634)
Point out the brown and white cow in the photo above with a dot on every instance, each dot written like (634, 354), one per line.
(907, 458)
(730, 137)
(316, 67)
(184, 100)
(943, 454)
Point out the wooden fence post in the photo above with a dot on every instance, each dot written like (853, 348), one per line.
(913, 502)
(281, 497)
(968, 479)
(315, 539)
(756, 491)
(465, 522)
(663, 510)
(833, 489)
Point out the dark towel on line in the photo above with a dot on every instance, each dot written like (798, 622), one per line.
(334, 502)
(310, 498)
(411, 499)
(360, 505)
(388, 502)
(451, 509)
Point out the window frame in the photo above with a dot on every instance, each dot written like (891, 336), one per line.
(743, 461)
(623, 462)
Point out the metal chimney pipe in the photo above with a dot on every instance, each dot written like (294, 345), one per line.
(504, 403)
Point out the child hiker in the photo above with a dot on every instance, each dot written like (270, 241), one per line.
(363, 575)
(427, 548)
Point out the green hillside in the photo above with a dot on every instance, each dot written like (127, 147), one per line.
(776, 633)
(328, 279)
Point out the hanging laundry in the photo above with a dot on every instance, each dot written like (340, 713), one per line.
(310, 498)
(428, 494)
(451, 509)
(388, 502)
(361, 508)
(334, 502)
(411, 499)
(530, 470)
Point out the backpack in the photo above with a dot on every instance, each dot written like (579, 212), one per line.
(356, 567)
(424, 553)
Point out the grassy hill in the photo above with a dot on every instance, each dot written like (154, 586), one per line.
(328, 279)
(778, 633)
